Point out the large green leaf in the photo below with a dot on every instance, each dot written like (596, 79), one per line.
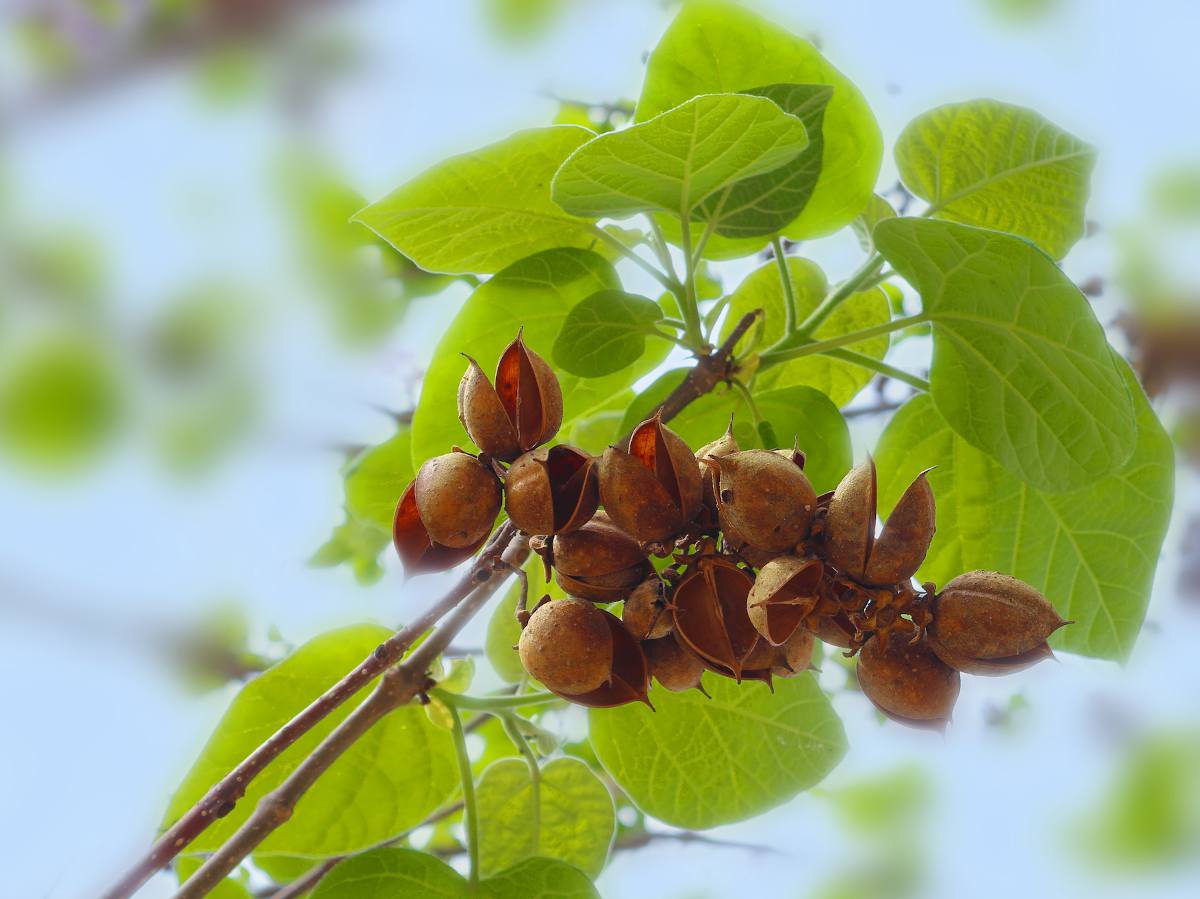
(605, 333)
(376, 479)
(1021, 367)
(718, 47)
(391, 779)
(998, 166)
(574, 821)
(535, 294)
(1092, 551)
(484, 210)
(763, 289)
(674, 161)
(699, 762)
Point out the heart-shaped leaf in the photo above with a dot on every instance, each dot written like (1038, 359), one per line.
(605, 333)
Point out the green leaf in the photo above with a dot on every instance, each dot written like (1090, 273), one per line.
(388, 873)
(1092, 551)
(699, 762)
(376, 479)
(535, 293)
(574, 821)
(403, 769)
(540, 878)
(674, 161)
(357, 542)
(484, 210)
(876, 210)
(763, 289)
(718, 47)
(1021, 367)
(999, 166)
(605, 333)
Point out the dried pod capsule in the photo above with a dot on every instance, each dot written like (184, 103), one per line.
(629, 679)
(599, 561)
(785, 590)
(417, 551)
(645, 612)
(725, 445)
(833, 630)
(710, 612)
(458, 498)
(896, 554)
(907, 681)
(792, 658)
(552, 490)
(765, 498)
(523, 410)
(567, 646)
(674, 666)
(990, 623)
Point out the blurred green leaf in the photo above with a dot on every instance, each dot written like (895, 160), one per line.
(375, 480)
(885, 804)
(540, 878)
(357, 542)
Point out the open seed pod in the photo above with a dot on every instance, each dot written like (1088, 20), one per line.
(710, 613)
(645, 612)
(675, 667)
(785, 590)
(896, 554)
(599, 561)
(792, 658)
(629, 678)
(653, 490)
(765, 498)
(907, 681)
(552, 490)
(417, 551)
(523, 410)
(832, 630)
(985, 622)
(567, 645)
(725, 445)
(458, 499)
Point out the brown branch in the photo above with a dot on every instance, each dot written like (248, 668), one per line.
(646, 837)
(397, 687)
(221, 798)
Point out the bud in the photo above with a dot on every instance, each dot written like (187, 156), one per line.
(551, 490)
(523, 410)
(765, 498)
(599, 561)
(674, 666)
(645, 612)
(907, 682)
(785, 591)
(710, 612)
(567, 646)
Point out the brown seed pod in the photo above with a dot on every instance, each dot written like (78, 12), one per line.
(654, 489)
(785, 590)
(417, 551)
(552, 490)
(674, 666)
(765, 498)
(725, 445)
(629, 679)
(567, 646)
(458, 499)
(710, 612)
(990, 623)
(645, 612)
(523, 410)
(896, 554)
(792, 658)
(907, 682)
(599, 561)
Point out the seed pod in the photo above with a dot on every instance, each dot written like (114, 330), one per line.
(523, 410)
(645, 612)
(567, 646)
(725, 445)
(599, 561)
(674, 666)
(551, 490)
(832, 630)
(784, 592)
(629, 678)
(896, 554)
(417, 551)
(792, 658)
(990, 623)
(907, 682)
(458, 499)
(765, 498)
(734, 542)
(710, 612)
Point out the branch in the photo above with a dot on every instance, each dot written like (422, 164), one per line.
(223, 796)
(646, 837)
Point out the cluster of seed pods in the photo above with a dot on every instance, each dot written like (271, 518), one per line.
(754, 567)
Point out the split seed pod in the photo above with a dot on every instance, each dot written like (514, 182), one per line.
(710, 613)
(674, 666)
(792, 658)
(784, 592)
(765, 498)
(833, 630)
(567, 646)
(653, 490)
(989, 623)
(896, 554)
(725, 445)
(645, 612)
(907, 681)
(629, 677)
(523, 410)
(599, 561)
(551, 490)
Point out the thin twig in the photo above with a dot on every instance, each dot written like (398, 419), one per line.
(646, 837)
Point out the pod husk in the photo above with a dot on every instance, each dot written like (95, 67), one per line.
(567, 645)
(984, 615)
(417, 552)
(785, 591)
(458, 499)
(907, 681)
(710, 613)
(551, 490)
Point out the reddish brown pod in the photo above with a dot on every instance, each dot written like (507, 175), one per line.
(552, 490)
(989, 623)
(792, 658)
(599, 561)
(896, 554)
(629, 677)
(446, 513)
(907, 681)
(567, 646)
(710, 612)
(521, 411)
(652, 491)
(725, 445)
(674, 666)
(764, 498)
(785, 591)
(645, 612)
